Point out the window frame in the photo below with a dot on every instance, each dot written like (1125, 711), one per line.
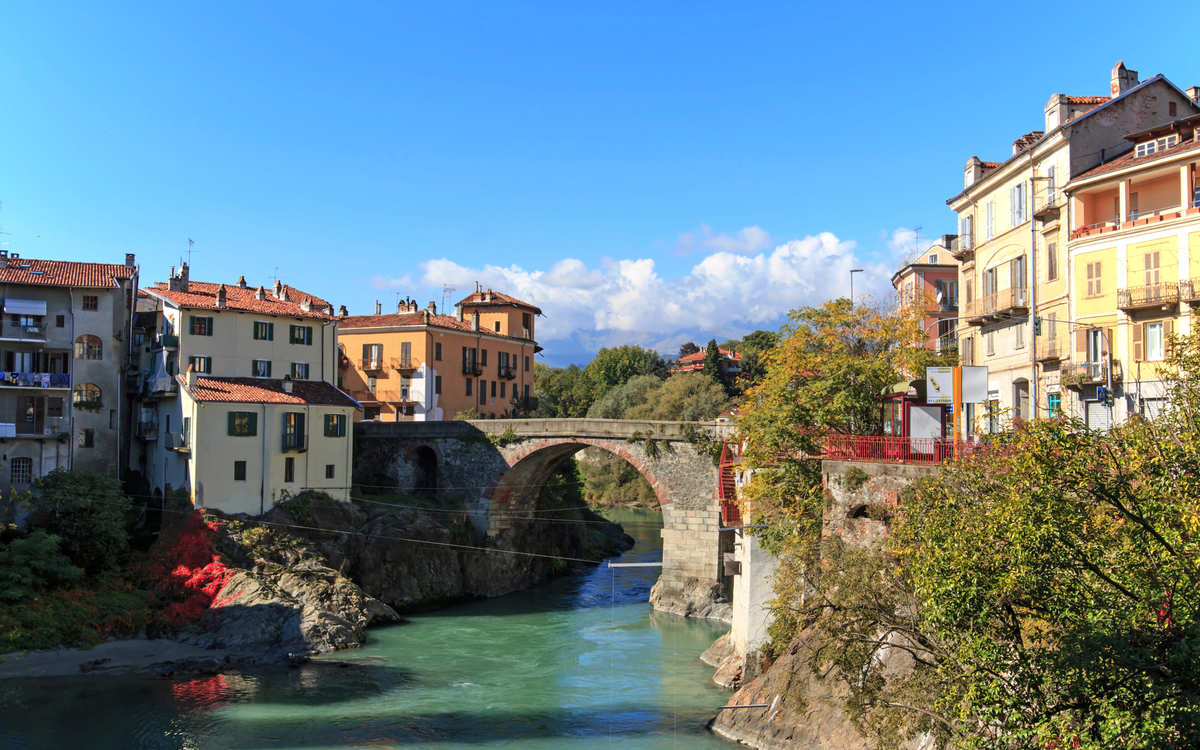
(20, 470)
(335, 425)
(91, 302)
(204, 362)
(1160, 341)
(254, 367)
(300, 335)
(267, 330)
(200, 325)
(236, 428)
(300, 371)
(239, 467)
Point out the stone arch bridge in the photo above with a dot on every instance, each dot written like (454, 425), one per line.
(497, 479)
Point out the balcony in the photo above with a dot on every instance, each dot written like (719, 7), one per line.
(169, 341)
(404, 364)
(365, 397)
(962, 247)
(295, 443)
(371, 363)
(980, 311)
(162, 387)
(23, 332)
(506, 371)
(1012, 301)
(471, 367)
(1051, 350)
(178, 442)
(133, 385)
(147, 430)
(1138, 218)
(948, 305)
(1089, 373)
(34, 380)
(1161, 296)
(1189, 290)
(1047, 204)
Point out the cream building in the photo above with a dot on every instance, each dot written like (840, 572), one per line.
(1013, 233)
(240, 404)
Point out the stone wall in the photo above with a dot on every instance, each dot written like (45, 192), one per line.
(860, 494)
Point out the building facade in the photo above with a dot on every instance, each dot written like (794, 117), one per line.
(417, 365)
(930, 277)
(1013, 235)
(1134, 254)
(238, 401)
(65, 340)
(728, 362)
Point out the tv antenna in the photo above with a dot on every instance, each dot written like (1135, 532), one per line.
(447, 295)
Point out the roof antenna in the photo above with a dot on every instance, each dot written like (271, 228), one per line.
(447, 295)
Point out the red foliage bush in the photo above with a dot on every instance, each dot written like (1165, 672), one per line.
(185, 564)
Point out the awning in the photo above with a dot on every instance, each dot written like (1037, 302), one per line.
(25, 306)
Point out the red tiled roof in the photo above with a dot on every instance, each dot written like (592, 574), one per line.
(62, 273)
(397, 320)
(203, 296)
(498, 298)
(1131, 159)
(1029, 139)
(991, 164)
(266, 391)
(1087, 99)
(702, 353)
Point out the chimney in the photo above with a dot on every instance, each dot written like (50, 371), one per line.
(260, 293)
(1058, 111)
(287, 383)
(3, 259)
(475, 321)
(172, 281)
(973, 171)
(241, 282)
(488, 297)
(378, 308)
(191, 377)
(432, 307)
(278, 288)
(129, 260)
(342, 312)
(426, 314)
(183, 277)
(221, 296)
(1193, 93)
(306, 304)
(1122, 79)
(458, 312)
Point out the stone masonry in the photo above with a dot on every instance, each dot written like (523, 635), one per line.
(496, 482)
(854, 498)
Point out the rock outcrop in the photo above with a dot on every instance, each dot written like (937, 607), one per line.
(702, 600)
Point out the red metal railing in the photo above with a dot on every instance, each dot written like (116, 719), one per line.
(897, 450)
(731, 515)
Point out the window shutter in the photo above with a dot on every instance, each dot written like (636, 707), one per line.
(1012, 207)
(232, 417)
(1081, 344)
(1108, 342)
(270, 331)
(268, 368)
(1099, 286)
(1138, 336)
(253, 423)
(308, 335)
(291, 334)
(192, 324)
(1168, 330)
(208, 365)
(329, 425)
(208, 329)
(300, 423)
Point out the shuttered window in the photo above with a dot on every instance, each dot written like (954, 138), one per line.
(1150, 262)
(335, 425)
(200, 325)
(243, 423)
(1094, 287)
(264, 331)
(300, 335)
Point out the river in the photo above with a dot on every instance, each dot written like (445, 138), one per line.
(579, 662)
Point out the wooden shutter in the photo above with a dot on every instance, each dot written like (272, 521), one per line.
(366, 351)
(1168, 330)
(1109, 343)
(329, 426)
(253, 423)
(291, 334)
(1081, 344)
(233, 423)
(1138, 337)
(192, 324)
(208, 365)
(270, 331)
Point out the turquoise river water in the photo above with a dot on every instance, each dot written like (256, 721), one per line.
(580, 662)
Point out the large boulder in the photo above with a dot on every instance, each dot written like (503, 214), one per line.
(701, 600)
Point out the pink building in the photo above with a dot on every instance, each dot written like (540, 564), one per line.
(933, 275)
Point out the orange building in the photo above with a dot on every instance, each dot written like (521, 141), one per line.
(730, 363)
(417, 365)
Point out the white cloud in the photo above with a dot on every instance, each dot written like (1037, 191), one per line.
(628, 299)
(379, 281)
(746, 240)
(905, 242)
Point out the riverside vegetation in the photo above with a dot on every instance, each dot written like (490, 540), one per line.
(1041, 593)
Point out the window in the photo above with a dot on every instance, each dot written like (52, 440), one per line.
(329, 471)
(502, 384)
(1172, 109)
(497, 326)
(335, 425)
(989, 220)
(293, 430)
(1150, 265)
(243, 423)
(20, 471)
(966, 232)
(91, 302)
(1159, 144)
(370, 413)
(239, 471)
(527, 364)
(483, 357)
(54, 407)
(1094, 288)
(437, 351)
(990, 336)
(933, 259)
(261, 368)
(468, 386)
(264, 331)
(203, 365)
(87, 393)
(60, 321)
(437, 384)
(88, 346)
(1053, 404)
(289, 470)
(526, 391)
(493, 389)
(1052, 261)
(300, 335)
(1019, 334)
(1016, 204)
(371, 383)
(199, 325)
(483, 391)
(299, 371)
(1095, 346)
(1154, 341)
(87, 438)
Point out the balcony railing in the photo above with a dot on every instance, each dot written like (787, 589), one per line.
(166, 341)
(977, 310)
(23, 332)
(371, 363)
(24, 427)
(526, 334)
(1080, 374)
(35, 380)
(1164, 295)
(897, 450)
(1100, 227)
(506, 371)
(1189, 290)
(948, 305)
(1045, 203)
(1151, 215)
(343, 362)
(133, 385)
(1051, 350)
(402, 396)
(471, 367)
(403, 363)
(158, 387)
(147, 430)
(178, 441)
(1012, 299)
(295, 443)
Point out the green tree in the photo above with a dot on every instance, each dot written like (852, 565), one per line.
(30, 566)
(624, 397)
(712, 357)
(685, 398)
(612, 367)
(89, 514)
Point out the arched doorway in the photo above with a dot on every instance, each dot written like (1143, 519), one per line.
(425, 468)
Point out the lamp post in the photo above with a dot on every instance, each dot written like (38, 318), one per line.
(852, 272)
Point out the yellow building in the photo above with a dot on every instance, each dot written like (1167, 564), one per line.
(1013, 234)
(417, 365)
(241, 394)
(1135, 263)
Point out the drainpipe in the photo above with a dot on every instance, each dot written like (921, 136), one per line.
(262, 491)
(1033, 281)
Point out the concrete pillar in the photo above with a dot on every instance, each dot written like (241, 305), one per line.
(751, 592)
(1123, 203)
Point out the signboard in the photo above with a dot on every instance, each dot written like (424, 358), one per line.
(939, 385)
(974, 385)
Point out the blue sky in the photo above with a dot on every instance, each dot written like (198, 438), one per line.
(645, 172)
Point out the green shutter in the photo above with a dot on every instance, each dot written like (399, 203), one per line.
(291, 334)
(253, 423)
(232, 423)
(209, 328)
(192, 324)
(208, 365)
(308, 335)
(330, 425)
(270, 331)
(300, 423)
(268, 368)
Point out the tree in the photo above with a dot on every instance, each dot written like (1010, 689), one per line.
(90, 515)
(625, 397)
(685, 398)
(30, 566)
(712, 358)
(612, 367)
(688, 349)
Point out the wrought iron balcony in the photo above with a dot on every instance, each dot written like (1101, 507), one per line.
(472, 367)
(371, 363)
(1164, 296)
(1079, 374)
(506, 371)
(404, 364)
(147, 430)
(1189, 290)
(1050, 350)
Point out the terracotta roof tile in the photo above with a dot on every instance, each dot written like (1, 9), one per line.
(397, 320)
(991, 164)
(267, 391)
(1028, 139)
(498, 298)
(1131, 158)
(203, 296)
(702, 353)
(1087, 99)
(63, 273)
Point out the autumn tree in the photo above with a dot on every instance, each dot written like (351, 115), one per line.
(612, 367)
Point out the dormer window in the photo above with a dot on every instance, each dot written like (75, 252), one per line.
(933, 259)
(1157, 145)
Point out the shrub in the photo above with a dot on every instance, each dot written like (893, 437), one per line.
(30, 566)
(90, 515)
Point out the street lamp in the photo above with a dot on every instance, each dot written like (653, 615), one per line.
(852, 272)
